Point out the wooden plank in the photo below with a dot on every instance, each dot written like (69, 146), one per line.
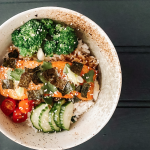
(136, 76)
(125, 22)
(127, 129)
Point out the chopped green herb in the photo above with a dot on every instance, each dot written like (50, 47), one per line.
(7, 84)
(65, 68)
(48, 88)
(48, 100)
(46, 65)
(76, 67)
(16, 74)
(35, 94)
(88, 77)
(85, 89)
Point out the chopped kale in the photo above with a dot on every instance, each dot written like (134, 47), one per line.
(85, 89)
(88, 77)
(76, 67)
(46, 65)
(36, 80)
(13, 54)
(25, 79)
(35, 94)
(50, 75)
(78, 88)
(7, 84)
(10, 62)
(16, 74)
(48, 88)
(48, 100)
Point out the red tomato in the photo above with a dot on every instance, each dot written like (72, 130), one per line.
(8, 106)
(26, 106)
(18, 116)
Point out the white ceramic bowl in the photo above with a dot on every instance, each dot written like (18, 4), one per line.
(96, 118)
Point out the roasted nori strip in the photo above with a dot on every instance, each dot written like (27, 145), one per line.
(78, 88)
(76, 67)
(60, 83)
(35, 94)
(75, 99)
(85, 89)
(50, 75)
(68, 88)
(10, 62)
(36, 80)
(25, 79)
(7, 84)
(30, 70)
(13, 54)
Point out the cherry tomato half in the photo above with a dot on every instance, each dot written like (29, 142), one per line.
(26, 106)
(8, 106)
(18, 116)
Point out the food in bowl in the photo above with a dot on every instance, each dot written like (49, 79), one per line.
(49, 76)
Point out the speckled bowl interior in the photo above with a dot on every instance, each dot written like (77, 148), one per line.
(96, 118)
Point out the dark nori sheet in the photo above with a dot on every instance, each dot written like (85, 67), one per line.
(50, 75)
(78, 88)
(75, 99)
(76, 67)
(68, 88)
(10, 62)
(35, 94)
(13, 54)
(60, 83)
(85, 89)
(25, 79)
(7, 84)
(36, 80)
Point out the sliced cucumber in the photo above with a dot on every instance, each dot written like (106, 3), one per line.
(35, 115)
(66, 113)
(57, 107)
(44, 120)
(52, 122)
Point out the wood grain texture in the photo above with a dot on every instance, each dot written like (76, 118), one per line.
(125, 22)
(127, 129)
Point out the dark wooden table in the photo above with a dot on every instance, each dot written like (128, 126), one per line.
(127, 23)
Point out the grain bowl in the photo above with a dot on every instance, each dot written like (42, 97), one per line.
(92, 39)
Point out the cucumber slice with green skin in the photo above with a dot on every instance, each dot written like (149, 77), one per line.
(57, 107)
(34, 117)
(52, 122)
(65, 115)
(44, 120)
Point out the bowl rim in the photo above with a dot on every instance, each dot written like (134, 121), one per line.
(117, 59)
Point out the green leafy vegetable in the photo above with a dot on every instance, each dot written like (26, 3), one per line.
(16, 74)
(48, 100)
(48, 88)
(66, 68)
(46, 65)
(88, 77)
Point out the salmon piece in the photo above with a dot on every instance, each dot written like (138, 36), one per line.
(32, 64)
